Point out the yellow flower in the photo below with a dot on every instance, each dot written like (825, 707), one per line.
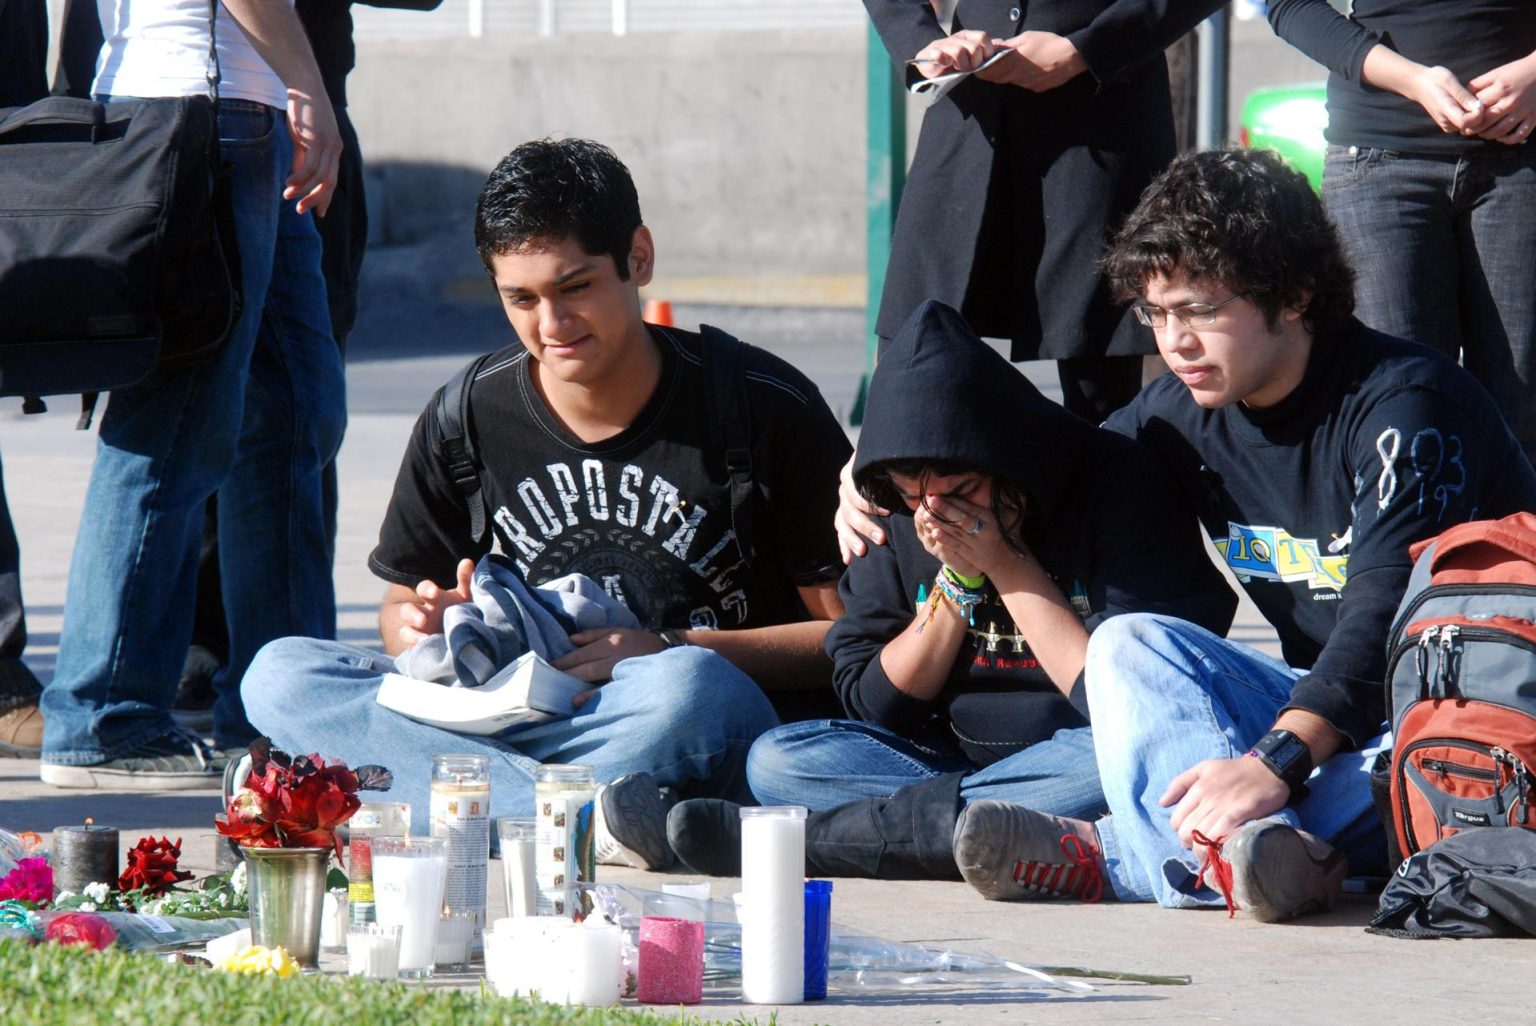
(256, 959)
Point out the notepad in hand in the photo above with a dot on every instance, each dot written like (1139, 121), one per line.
(525, 691)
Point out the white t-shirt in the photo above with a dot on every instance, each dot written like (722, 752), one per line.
(160, 48)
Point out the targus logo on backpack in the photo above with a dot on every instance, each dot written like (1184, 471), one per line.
(1471, 818)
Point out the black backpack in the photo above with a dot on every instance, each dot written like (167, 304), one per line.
(724, 362)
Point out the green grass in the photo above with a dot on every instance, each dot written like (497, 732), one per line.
(50, 985)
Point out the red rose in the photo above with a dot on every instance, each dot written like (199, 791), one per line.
(152, 866)
(296, 801)
(80, 928)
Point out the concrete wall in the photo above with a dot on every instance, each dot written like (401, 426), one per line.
(747, 149)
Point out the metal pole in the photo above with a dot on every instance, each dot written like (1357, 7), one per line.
(620, 17)
(885, 173)
(546, 17)
(1214, 69)
(476, 19)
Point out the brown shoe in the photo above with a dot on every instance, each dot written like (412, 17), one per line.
(21, 732)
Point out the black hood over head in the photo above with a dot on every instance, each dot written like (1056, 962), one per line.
(939, 393)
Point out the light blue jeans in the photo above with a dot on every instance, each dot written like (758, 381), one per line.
(686, 716)
(825, 763)
(1166, 695)
(256, 423)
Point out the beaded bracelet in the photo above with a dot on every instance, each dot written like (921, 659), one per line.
(966, 599)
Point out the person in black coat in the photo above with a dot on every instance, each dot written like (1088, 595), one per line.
(1017, 528)
(1023, 171)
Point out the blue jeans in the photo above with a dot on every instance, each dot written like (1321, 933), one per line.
(1444, 250)
(825, 763)
(17, 685)
(686, 716)
(1166, 695)
(256, 423)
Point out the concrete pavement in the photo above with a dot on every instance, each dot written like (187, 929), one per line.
(1323, 970)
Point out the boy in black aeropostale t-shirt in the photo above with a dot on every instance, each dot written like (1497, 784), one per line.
(602, 446)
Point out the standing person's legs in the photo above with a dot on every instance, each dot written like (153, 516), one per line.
(164, 447)
(21, 725)
(825, 763)
(1394, 217)
(274, 554)
(1497, 242)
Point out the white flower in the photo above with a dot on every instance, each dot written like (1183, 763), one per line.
(97, 892)
(87, 906)
(237, 878)
(66, 895)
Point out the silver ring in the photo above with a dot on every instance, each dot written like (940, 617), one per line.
(975, 528)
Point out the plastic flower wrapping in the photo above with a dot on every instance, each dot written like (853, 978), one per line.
(856, 963)
(296, 801)
(80, 928)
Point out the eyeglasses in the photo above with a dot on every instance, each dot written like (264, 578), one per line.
(1196, 315)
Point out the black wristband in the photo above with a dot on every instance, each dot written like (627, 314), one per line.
(670, 637)
(1287, 757)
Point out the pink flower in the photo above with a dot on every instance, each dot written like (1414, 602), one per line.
(31, 880)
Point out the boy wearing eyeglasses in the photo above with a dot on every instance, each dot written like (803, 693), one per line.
(1315, 451)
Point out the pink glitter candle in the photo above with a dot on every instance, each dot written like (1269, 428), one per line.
(671, 961)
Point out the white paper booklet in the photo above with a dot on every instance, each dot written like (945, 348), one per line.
(932, 89)
(526, 691)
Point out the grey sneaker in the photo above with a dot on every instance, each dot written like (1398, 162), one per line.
(1010, 853)
(631, 824)
(1279, 872)
(176, 762)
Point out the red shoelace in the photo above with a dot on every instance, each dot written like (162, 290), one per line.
(1080, 877)
(1218, 867)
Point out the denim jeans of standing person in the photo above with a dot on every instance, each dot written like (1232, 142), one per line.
(685, 715)
(1166, 695)
(822, 764)
(256, 423)
(17, 684)
(1444, 249)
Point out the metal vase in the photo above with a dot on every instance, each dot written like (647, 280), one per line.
(287, 894)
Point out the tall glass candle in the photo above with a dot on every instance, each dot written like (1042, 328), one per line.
(461, 813)
(519, 839)
(408, 878)
(372, 819)
(564, 852)
(773, 895)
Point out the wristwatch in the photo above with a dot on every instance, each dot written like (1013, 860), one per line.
(1287, 757)
(670, 637)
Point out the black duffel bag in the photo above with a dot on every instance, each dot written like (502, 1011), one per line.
(117, 248)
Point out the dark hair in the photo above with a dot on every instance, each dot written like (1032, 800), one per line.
(557, 189)
(1242, 218)
(1008, 499)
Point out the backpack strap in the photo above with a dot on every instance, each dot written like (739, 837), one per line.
(451, 436)
(724, 358)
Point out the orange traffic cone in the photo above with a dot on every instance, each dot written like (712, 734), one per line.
(657, 311)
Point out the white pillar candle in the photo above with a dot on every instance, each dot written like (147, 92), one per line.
(773, 890)
(595, 963)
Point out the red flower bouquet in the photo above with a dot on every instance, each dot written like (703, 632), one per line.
(80, 928)
(152, 867)
(30, 881)
(296, 801)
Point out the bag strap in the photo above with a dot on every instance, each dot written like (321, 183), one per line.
(725, 374)
(451, 437)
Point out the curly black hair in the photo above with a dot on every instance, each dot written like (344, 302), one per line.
(556, 189)
(1244, 219)
(1010, 503)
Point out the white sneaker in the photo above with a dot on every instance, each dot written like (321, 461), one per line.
(630, 824)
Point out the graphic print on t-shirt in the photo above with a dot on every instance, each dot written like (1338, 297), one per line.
(1274, 554)
(630, 530)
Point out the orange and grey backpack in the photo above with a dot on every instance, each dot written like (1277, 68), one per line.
(1461, 683)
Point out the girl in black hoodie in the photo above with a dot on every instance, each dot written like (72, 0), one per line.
(1016, 529)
